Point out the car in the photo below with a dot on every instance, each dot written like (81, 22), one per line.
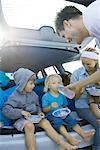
(44, 52)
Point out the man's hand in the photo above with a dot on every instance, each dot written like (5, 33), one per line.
(26, 114)
(76, 88)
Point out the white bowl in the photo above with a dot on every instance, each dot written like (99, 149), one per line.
(62, 112)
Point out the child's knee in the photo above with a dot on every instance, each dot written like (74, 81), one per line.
(29, 127)
(45, 123)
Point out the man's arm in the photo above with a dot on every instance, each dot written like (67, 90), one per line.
(94, 78)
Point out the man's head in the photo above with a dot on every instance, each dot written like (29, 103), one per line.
(69, 24)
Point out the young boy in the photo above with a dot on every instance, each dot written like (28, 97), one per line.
(23, 103)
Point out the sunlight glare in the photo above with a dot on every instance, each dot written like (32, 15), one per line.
(2, 38)
(32, 14)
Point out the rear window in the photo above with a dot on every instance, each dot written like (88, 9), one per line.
(51, 70)
(72, 66)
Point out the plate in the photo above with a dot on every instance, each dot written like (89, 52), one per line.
(62, 112)
(34, 118)
(93, 91)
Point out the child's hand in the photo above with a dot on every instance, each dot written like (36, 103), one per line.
(65, 107)
(54, 105)
(41, 114)
(26, 114)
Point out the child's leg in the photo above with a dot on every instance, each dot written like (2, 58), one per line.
(73, 148)
(29, 136)
(72, 123)
(85, 135)
(61, 148)
(69, 138)
(54, 135)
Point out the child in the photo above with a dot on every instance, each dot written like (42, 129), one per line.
(90, 64)
(53, 100)
(24, 102)
(94, 102)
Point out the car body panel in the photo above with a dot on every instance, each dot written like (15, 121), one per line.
(14, 142)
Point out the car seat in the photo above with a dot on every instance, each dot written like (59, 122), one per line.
(39, 89)
(6, 88)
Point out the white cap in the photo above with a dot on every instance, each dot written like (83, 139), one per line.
(91, 55)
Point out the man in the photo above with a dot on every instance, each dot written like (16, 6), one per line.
(75, 27)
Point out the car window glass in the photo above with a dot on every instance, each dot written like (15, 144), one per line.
(51, 70)
(40, 75)
(72, 66)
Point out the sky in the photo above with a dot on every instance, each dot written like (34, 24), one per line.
(33, 13)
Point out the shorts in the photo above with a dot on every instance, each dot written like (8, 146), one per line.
(20, 124)
(68, 122)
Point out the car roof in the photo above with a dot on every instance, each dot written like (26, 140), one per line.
(35, 50)
(83, 2)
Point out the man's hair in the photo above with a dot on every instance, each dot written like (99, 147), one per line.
(69, 12)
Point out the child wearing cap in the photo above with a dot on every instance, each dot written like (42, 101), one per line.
(94, 89)
(90, 62)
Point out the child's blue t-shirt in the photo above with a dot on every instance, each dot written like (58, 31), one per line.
(48, 99)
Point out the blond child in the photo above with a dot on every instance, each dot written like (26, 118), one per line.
(53, 100)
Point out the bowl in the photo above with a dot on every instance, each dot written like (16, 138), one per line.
(62, 112)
